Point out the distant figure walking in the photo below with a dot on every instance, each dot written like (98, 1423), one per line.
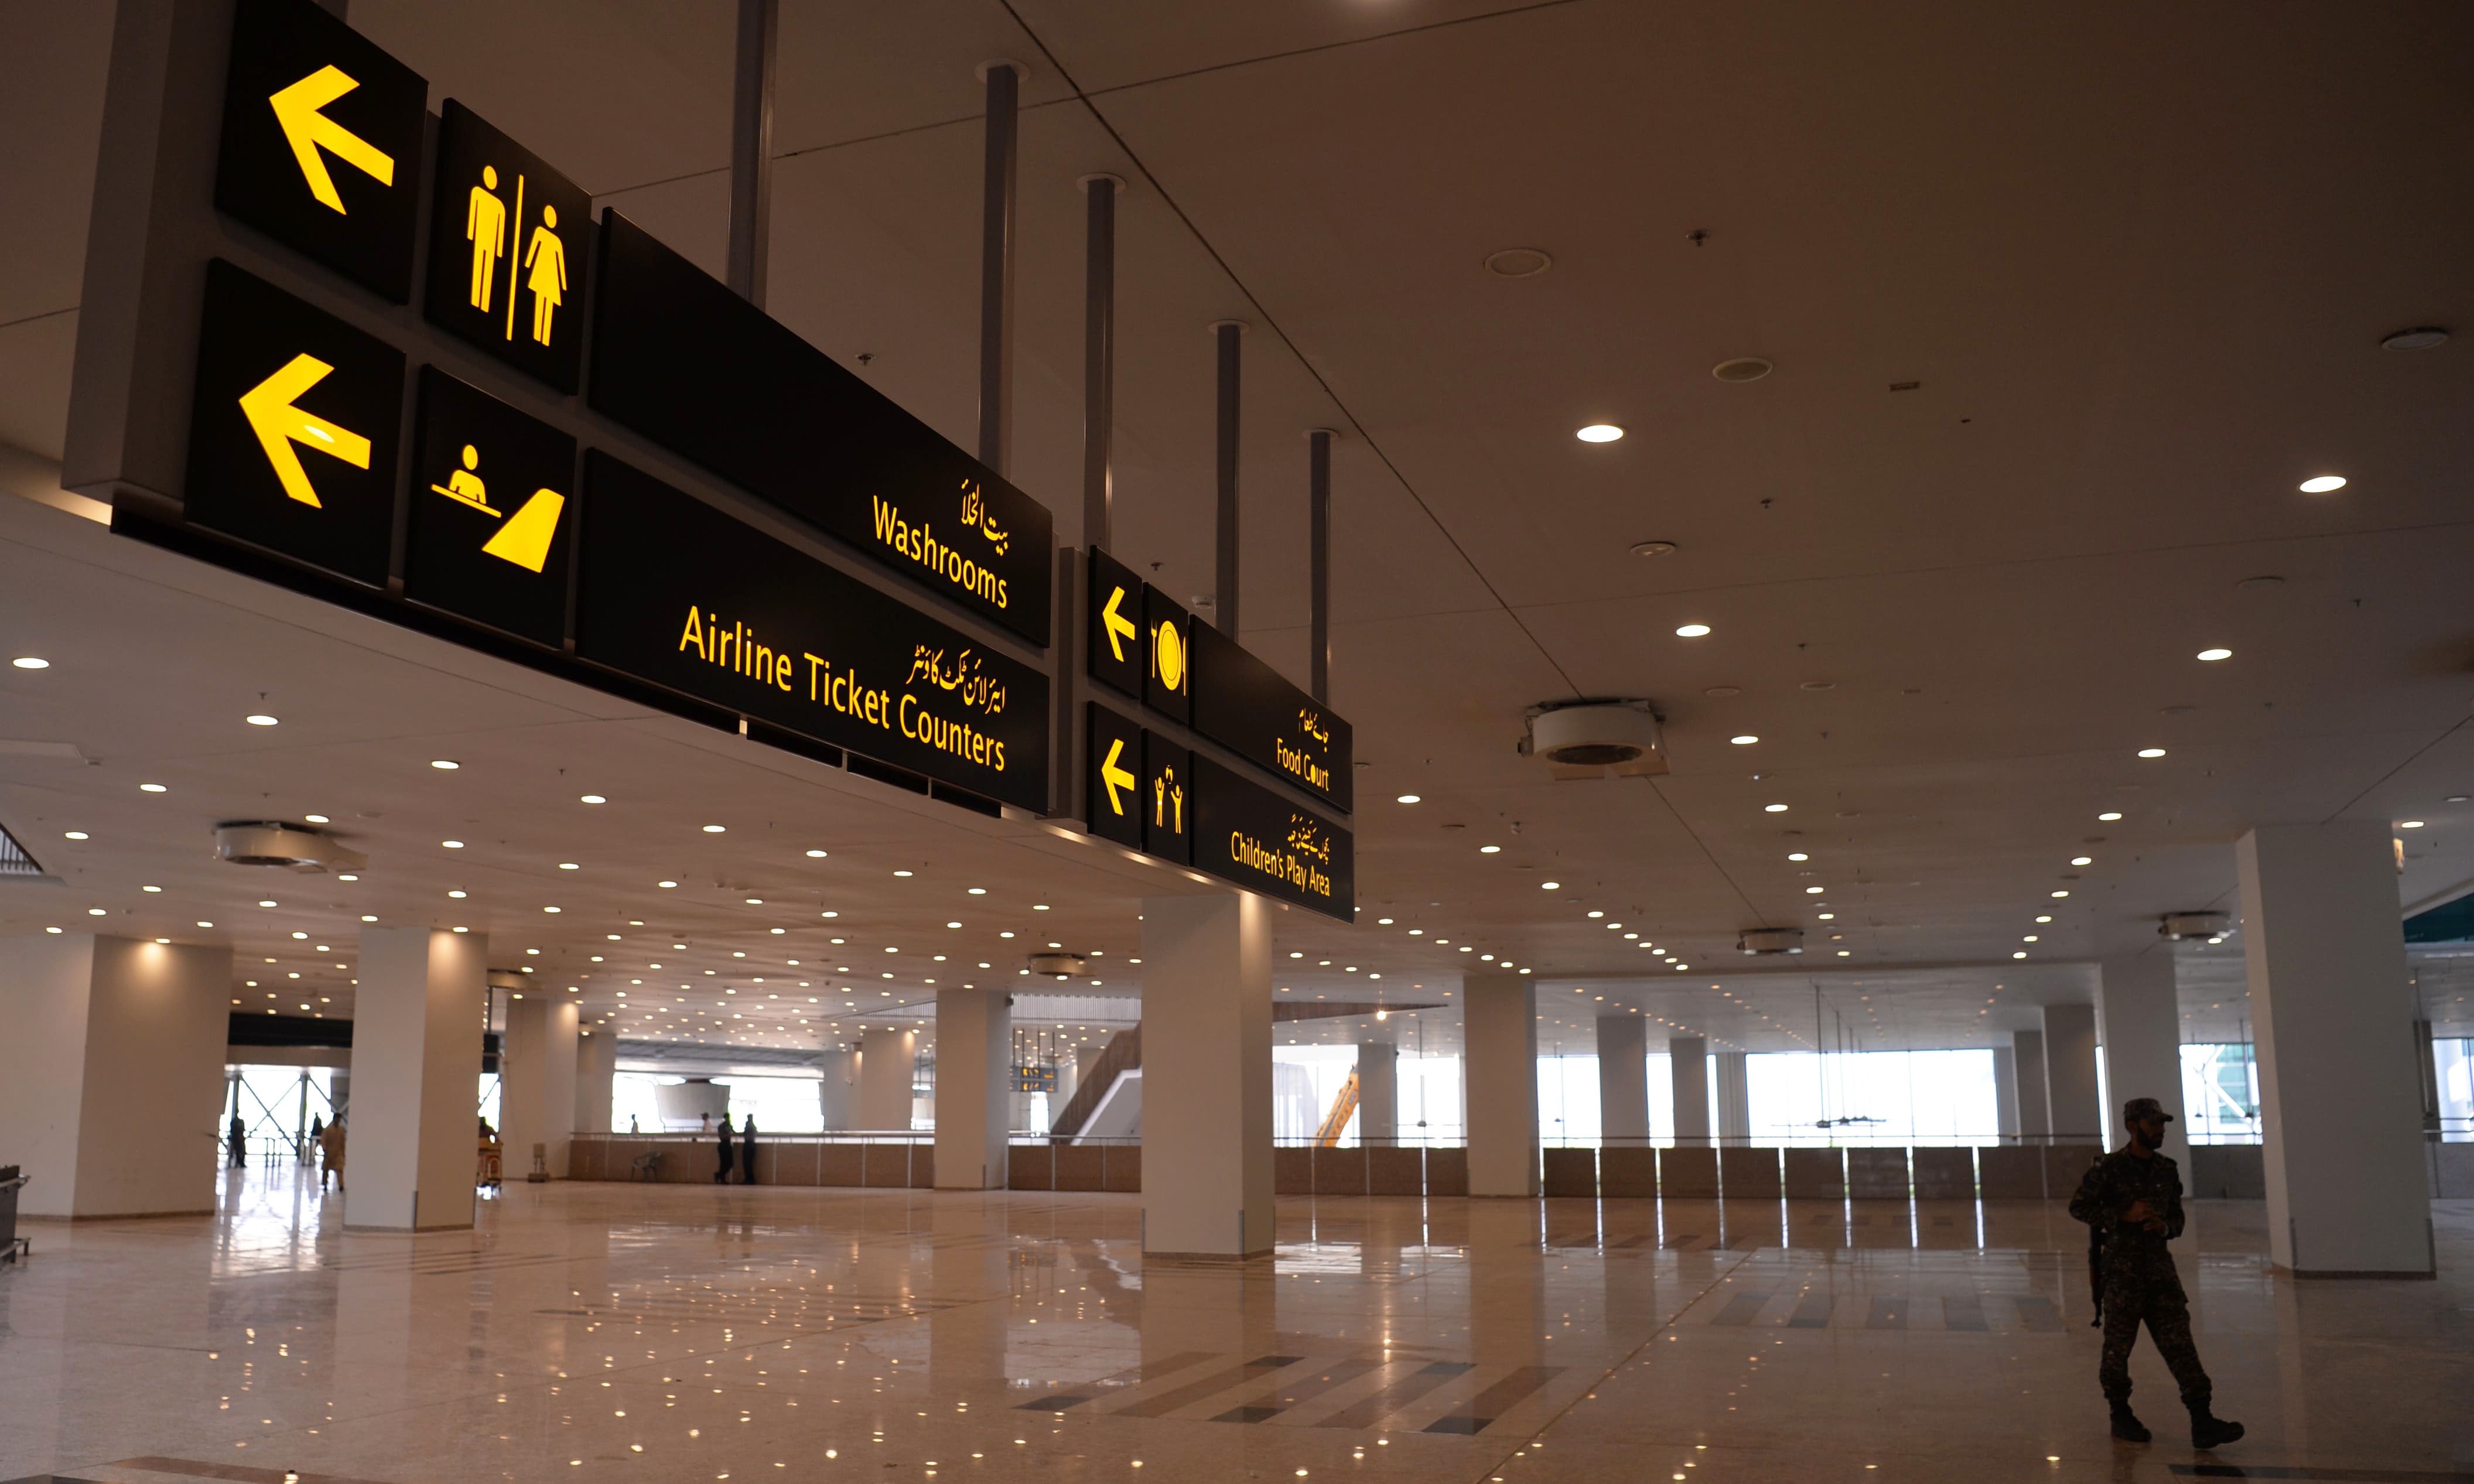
(721, 1175)
(330, 1156)
(317, 1137)
(747, 1150)
(236, 1140)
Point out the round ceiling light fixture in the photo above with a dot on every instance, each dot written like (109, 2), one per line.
(30, 661)
(2323, 484)
(444, 765)
(2213, 655)
(1744, 741)
(1599, 432)
(262, 720)
(2152, 752)
(2422, 337)
(1693, 631)
(1517, 263)
(1742, 368)
(1652, 549)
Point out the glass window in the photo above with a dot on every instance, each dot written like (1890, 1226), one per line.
(2454, 1062)
(1872, 1097)
(2220, 1093)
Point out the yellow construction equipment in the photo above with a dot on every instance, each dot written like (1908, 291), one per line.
(1342, 1109)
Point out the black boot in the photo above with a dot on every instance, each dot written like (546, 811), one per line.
(2126, 1424)
(2208, 1430)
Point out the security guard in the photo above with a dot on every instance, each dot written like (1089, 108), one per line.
(2132, 1200)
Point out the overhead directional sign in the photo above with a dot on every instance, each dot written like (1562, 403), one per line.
(688, 363)
(678, 593)
(509, 247)
(322, 142)
(294, 431)
(1114, 803)
(1168, 795)
(1118, 652)
(1168, 686)
(1253, 710)
(492, 508)
(1246, 833)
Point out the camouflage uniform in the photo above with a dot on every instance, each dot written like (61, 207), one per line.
(2140, 1282)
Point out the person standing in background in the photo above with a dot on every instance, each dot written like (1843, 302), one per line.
(721, 1175)
(747, 1150)
(236, 1139)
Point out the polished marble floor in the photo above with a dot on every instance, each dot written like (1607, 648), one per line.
(678, 1333)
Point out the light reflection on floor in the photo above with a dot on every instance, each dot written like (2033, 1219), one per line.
(689, 1333)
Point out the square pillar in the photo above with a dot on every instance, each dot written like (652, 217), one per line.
(1500, 1070)
(416, 1062)
(838, 1091)
(2070, 1074)
(1378, 1092)
(2324, 942)
(116, 1062)
(887, 1061)
(1207, 1076)
(974, 1088)
(1734, 1097)
(2005, 1094)
(1623, 1081)
(597, 1076)
(1690, 1058)
(536, 1079)
(2141, 1018)
(2035, 1112)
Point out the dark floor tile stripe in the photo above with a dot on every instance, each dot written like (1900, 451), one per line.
(1888, 1313)
(1480, 1411)
(1741, 1309)
(2038, 1314)
(1962, 1314)
(1309, 1385)
(1131, 1375)
(1167, 1401)
(1813, 1313)
(1370, 1410)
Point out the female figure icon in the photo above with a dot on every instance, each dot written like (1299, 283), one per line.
(545, 273)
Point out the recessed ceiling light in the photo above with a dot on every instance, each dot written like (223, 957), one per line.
(1741, 368)
(1773, 809)
(1813, 891)
(1489, 850)
(150, 888)
(1517, 263)
(1797, 855)
(2020, 954)
(452, 844)
(152, 787)
(901, 874)
(455, 895)
(2213, 655)
(1410, 798)
(665, 884)
(2152, 752)
(1652, 549)
(75, 834)
(261, 720)
(815, 855)
(1599, 432)
(2061, 893)
(2322, 484)
(1550, 886)
(1691, 630)
(1744, 741)
(2402, 824)
(30, 661)
(594, 798)
(270, 902)
(2422, 337)
(2082, 860)
(444, 765)
(714, 829)
(2110, 814)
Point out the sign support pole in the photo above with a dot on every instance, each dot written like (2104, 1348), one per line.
(1099, 357)
(751, 148)
(1319, 562)
(1227, 333)
(1004, 79)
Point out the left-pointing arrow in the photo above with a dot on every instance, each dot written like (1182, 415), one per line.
(308, 130)
(279, 424)
(1116, 777)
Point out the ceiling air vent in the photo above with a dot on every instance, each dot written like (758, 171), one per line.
(289, 847)
(1589, 738)
(2178, 926)
(1761, 942)
(1059, 965)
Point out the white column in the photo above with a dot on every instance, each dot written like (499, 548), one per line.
(1734, 1097)
(1378, 1092)
(1499, 1071)
(1689, 1057)
(2323, 939)
(837, 1092)
(2006, 1093)
(2140, 1020)
(2069, 1073)
(887, 1057)
(537, 1080)
(1623, 1080)
(2035, 1110)
(1207, 1076)
(416, 1062)
(115, 1067)
(974, 1088)
(597, 1076)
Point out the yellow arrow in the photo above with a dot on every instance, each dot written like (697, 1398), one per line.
(1115, 624)
(308, 130)
(279, 424)
(1116, 777)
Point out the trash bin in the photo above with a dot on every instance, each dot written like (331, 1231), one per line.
(11, 1182)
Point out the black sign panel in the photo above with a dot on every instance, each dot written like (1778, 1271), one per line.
(293, 436)
(1168, 686)
(322, 141)
(1113, 792)
(1168, 796)
(680, 593)
(1244, 833)
(492, 512)
(1116, 644)
(1251, 709)
(683, 360)
(508, 250)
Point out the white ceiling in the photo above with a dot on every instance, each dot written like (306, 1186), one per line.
(2139, 260)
